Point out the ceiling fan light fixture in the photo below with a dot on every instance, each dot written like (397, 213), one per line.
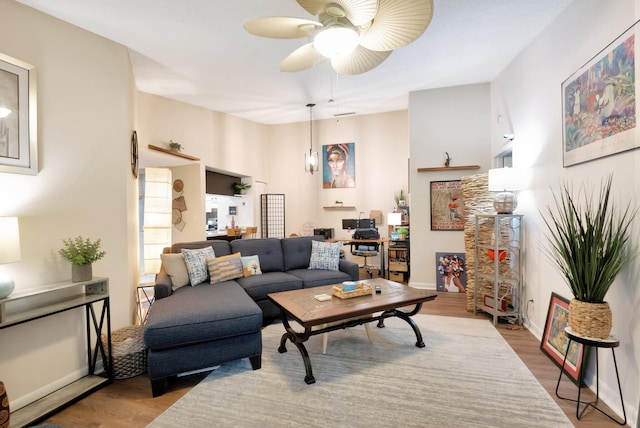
(336, 41)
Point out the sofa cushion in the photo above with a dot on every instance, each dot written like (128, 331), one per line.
(269, 250)
(225, 268)
(201, 314)
(258, 286)
(176, 268)
(196, 263)
(251, 265)
(297, 251)
(316, 277)
(220, 247)
(325, 255)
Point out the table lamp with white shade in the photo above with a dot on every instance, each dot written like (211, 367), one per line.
(505, 181)
(9, 251)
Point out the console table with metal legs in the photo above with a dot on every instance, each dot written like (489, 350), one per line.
(608, 343)
(27, 305)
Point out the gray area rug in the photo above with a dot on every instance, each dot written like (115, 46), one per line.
(466, 376)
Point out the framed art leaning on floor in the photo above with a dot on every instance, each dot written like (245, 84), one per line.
(554, 340)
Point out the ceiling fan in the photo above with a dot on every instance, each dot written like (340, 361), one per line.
(356, 35)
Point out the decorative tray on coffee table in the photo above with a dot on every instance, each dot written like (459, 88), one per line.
(362, 289)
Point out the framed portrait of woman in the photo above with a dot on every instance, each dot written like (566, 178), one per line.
(339, 166)
(451, 272)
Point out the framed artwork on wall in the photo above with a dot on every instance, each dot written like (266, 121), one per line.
(554, 340)
(599, 104)
(339, 166)
(447, 205)
(18, 122)
(451, 272)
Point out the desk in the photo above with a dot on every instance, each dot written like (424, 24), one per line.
(381, 241)
(609, 343)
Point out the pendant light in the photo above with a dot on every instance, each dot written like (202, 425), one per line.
(311, 158)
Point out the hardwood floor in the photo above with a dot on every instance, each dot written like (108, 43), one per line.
(128, 403)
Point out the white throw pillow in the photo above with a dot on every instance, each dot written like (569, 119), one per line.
(176, 268)
(325, 255)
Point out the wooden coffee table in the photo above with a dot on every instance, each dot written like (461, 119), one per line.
(336, 314)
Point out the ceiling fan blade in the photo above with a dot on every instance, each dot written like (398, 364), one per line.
(301, 59)
(278, 27)
(397, 24)
(359, 12)
(359, 61)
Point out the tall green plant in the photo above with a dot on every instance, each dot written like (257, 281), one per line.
(590, 240)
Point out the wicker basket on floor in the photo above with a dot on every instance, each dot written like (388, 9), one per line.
(129, 353)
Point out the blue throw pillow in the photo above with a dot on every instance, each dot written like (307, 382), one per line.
(197, 264)
(325, 255)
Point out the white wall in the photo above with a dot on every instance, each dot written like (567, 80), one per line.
(528, 92)
(382, 153)
(84, 187)
(454, 120)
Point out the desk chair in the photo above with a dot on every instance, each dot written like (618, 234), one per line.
(365, 249)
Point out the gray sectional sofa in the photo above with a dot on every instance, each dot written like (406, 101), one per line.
(196, 327)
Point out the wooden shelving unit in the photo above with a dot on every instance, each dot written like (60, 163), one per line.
(449, 168)
(340, 208)
(171, 152)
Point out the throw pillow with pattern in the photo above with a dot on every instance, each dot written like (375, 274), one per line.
(251, 265)
(196, 263)
(325, 255)
(225, 268)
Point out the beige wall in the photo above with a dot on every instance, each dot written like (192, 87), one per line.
(454, 120)
(528, 92)
(84, 187)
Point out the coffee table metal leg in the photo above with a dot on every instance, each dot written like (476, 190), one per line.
(407, 317)
(298, 339)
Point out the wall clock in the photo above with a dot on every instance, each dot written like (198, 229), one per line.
(134, 154)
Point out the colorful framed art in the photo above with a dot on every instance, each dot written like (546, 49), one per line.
(554, 340)
(599, 104)
(447, 205)
(451, 272)
(339, 166)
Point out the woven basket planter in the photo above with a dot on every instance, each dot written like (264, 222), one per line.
(590, 319)
(128, 351)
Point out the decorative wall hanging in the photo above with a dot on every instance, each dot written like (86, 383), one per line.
(18, 121)
(554, 340)
(339, 165)
(599, 104)
(179, 205)
(447, 205)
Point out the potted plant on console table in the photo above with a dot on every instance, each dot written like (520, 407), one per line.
(81, 253)
(590, 244)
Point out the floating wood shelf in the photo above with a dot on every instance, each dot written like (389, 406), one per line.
(340, 207)
(449, 168)
(171, 152)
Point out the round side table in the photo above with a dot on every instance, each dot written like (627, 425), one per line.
(597, 344)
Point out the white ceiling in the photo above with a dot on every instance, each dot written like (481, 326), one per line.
(196, 51)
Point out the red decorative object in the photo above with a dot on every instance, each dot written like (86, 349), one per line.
(501, 254)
